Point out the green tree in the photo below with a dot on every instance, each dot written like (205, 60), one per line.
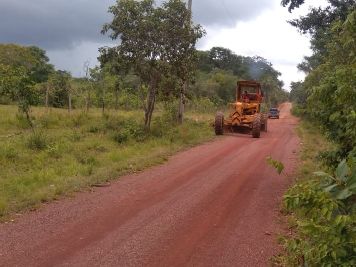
(298, 94)
(15, 82)
(97, 77)
(148, 46)
(21, 68)
(60, 89)
(329, 88)
(318, 24)
(180, 38)
(32, 59)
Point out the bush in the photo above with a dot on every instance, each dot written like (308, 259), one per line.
(324, 210)
(298, 111)
(130, 130)
(204, 105)
(8, 152)
(22, 121)
(121, 136)
(49, 120)
(79, 120)
(37, 141)
(112, 123)
(75, 136)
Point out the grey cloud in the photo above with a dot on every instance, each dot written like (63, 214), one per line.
(63, 24)
(226, 13)
(52, 24)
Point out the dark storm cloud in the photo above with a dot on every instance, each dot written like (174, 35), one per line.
(52, 24)
(62, 24)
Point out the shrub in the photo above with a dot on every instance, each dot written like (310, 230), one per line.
(94, 129)
(75, 136)
(37, 141)
(324, 211)
(112, 123)
(121, 136)
(48, 120)
(79, 120)
(22, 121)
(203, 104)
(8, 152)
(298, 111)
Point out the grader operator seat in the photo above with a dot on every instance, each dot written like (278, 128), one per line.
(253, 89)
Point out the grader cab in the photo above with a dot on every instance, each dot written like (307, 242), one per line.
(245, 113)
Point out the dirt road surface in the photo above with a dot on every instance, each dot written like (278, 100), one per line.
(212, 205)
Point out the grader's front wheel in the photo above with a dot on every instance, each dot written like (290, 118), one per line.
(219, 123)
(256, 127)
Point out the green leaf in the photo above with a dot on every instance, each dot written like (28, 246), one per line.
(330, 188)
(342, 171)
(279, 166)
(324, 175)
(344, 194)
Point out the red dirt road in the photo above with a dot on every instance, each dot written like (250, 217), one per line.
(213, 205)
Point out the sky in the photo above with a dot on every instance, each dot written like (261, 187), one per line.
(69, 30)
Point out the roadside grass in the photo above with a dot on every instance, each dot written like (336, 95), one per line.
(312, 144)
(66, 153)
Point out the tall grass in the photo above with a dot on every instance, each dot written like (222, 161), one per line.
(66, 153)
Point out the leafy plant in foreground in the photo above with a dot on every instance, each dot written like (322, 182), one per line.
(275, 164)
(324, 213)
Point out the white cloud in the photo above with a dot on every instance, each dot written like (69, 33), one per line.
(269, 36)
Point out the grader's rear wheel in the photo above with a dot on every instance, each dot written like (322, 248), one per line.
(256, 127)
(219, 123)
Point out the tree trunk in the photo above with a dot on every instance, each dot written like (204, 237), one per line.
(151, 99)
(47, 96)
(116, 99)
(87, 100)
(103, 101)
(69, 102)
(182, 102)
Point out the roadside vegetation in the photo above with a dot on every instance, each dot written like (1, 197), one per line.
(67, 153)
(151, 94)
(321, 206)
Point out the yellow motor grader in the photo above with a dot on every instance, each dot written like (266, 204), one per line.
(245, 114)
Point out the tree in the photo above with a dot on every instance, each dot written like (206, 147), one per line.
(60, 89)
(97, 78)
(148, 46)
(292, 4)
(87, 84)
(317, 23)
(297, 94)
(329, 88)
(15, 82)
(21, 68)
(32, 59)
(180, 38)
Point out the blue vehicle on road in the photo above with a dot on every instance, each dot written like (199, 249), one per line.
(273, 113)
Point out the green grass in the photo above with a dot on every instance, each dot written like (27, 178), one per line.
(67, 153)
(312, 144)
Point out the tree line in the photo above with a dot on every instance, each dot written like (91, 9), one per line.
(328, 94)
(155, 60)
(323, 205)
